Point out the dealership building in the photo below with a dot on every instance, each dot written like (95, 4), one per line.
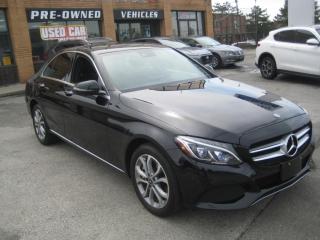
(28, 28)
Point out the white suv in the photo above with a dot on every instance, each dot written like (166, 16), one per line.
(293, 50)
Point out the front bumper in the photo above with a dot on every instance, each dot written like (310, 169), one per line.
(227, 60)
(234, 187)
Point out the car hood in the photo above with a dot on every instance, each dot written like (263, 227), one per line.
(194, 51)
(223, 47)
(215, 108)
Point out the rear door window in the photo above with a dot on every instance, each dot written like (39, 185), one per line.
(285, 36)
(60, 67)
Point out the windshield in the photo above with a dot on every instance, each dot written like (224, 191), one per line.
(140, 68)
(172, 43)
(207, 41)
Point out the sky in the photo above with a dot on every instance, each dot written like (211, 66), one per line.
(272, 6)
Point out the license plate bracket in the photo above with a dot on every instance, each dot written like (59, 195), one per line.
(290, 169)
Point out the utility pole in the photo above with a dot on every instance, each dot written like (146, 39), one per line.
(237, 22)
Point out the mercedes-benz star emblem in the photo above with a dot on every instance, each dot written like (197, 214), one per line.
(291, 146)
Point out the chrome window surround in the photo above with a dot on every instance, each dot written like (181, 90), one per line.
(275, 148)
(69, 83)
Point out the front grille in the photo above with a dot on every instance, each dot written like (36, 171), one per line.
(207, 59)
(276, 148)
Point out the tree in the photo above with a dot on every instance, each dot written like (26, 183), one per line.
(258, 22)
(317, 13)
(224, 8)
(282, 18)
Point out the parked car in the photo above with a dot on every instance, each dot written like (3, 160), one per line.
(223, 55)
(185, 136)
(78, 42)
(201, 55)
(245, 44)
(294, 50)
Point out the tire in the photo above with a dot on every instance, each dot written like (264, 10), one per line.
(268, 68)
(155, 186)
(41, 128)
(216, 61)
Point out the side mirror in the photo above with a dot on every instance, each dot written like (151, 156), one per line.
(199, 45)
(87, 88)
(313, 42)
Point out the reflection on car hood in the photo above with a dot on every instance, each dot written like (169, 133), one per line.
(214, 108)
(223, 47)
(194, 51)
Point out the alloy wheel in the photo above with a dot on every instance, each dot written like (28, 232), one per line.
(152, 181)
(39, 124)
(267, 67)
(215, 62)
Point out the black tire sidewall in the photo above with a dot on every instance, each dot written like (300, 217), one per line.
(274, 70)
(173, 202)
(49, 138)
(219, 61)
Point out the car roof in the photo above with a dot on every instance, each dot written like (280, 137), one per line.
(113, 48)
(312, 27)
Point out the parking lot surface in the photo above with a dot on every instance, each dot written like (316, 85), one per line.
(58, 192)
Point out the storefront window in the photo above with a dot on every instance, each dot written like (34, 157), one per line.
(187, 23)
(6, 57)
(127, 31)
(41, 47)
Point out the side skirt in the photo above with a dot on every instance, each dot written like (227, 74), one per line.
(85, 150)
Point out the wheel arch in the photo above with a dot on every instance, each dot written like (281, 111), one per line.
(33, 102)
(135, 143)
(266, 54)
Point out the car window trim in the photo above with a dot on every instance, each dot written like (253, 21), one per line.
(69, 83)
(46, 66)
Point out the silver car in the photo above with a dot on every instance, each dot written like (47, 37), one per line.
(223, 55)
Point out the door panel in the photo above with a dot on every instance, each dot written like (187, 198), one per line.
(86, 122)
(51, 103)
(52, 90)
(307, 57)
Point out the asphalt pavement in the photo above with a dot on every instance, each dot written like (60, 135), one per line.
(58, 192)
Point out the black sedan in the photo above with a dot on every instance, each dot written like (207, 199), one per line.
(185, 136)
(201, 55)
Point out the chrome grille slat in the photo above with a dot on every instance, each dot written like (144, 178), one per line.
(268, 156)
(302, 132)
(267, 147)
(303, 140)
(275, 149)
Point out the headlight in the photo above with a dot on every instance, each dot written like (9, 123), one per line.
(228, 53)
(208, 151)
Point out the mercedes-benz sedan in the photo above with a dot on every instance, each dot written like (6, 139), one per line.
(185, 136)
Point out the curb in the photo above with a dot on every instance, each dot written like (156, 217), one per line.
(12, 93)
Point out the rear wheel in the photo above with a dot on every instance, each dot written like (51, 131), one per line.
(154, 181)
(268, 67)
(41, 128)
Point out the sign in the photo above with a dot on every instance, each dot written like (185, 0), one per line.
(43, 15)
(136, 1)
(61, 33)
(137, 14)
(301, 13)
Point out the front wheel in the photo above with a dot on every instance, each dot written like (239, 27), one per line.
(216, 61)
(154, 181)
(268, 68)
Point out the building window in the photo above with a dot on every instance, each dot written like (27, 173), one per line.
(187, 23)
(6, 57)
(41, 47)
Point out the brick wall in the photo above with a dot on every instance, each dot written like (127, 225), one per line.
(19, 31)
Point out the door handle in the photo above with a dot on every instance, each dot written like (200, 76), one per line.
(68, 92)
(43, 87)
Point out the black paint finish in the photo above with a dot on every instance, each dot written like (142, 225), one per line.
(215, 109)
